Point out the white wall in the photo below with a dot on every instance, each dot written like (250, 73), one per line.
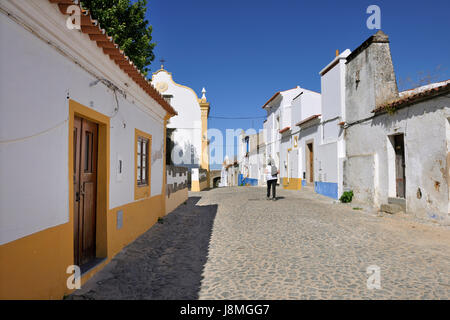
(310, 104)
(34, 84)
(280, 107)
(328, 162)
(307, 135)
(333, 87)
(303, 106)
(332, 147)
(187, 122)
(284, 146)
(424, 125)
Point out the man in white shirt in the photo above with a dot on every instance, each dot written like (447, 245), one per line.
(271, 177)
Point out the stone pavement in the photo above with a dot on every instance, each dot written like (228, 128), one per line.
(231, 243)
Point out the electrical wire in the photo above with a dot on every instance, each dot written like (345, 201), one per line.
(36, 134)
(235, 118)
(66, 54)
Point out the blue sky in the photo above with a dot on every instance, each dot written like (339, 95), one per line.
(245, 51)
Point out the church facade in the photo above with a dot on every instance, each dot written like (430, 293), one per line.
(187, 132)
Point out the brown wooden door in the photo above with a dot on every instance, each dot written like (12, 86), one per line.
(400, 178)
(311, 162)
(85, 189)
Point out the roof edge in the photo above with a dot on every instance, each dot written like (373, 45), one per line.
(379, 37)
(96, 34)
(302, 122)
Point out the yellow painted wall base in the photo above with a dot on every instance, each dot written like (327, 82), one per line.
(199, 186)
(138, 217)
(195, 185)
(292, 183)
(34, 267)
(175, 199)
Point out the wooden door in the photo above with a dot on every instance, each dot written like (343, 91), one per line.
(85, 189)
(400, 178)
(311, 162)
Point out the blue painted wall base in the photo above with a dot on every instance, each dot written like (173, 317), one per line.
(246, 181)
(329, 189)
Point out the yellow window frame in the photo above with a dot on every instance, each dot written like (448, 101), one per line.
(142, 191)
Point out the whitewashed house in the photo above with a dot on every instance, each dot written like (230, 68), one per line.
(331, 149)
(305, 118)
(229, 173)
(82, 146)
(251, 159)
(397, 144)
(277, 127)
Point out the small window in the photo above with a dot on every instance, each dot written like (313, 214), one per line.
(142, 161)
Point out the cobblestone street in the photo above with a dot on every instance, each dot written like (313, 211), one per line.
(231, 243)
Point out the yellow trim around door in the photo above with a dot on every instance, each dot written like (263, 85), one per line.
(103, 165)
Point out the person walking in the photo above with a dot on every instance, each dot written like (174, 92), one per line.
(271, 177)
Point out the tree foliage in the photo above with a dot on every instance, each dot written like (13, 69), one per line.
(125, 22)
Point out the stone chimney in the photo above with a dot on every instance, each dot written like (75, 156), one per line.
(370, 78)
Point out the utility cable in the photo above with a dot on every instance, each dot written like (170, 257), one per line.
(36, 134)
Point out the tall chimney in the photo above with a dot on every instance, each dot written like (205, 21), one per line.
(370, 77)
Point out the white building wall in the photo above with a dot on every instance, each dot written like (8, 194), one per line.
(332, 147)
(307, 135)
(187, 135)
(34, 122)
(310, 104)
(370, 171)
(285, 145)
(280, 108)
(303, 106)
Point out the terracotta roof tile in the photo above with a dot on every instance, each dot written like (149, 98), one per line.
(273, 97)
(307, 119)
(409, 99)
(284, 130)
(96, 33)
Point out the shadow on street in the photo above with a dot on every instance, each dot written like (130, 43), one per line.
(166, 262)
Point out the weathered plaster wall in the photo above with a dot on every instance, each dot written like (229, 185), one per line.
(369, 167)
(370, 81)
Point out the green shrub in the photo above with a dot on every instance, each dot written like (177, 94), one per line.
(347, 196)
